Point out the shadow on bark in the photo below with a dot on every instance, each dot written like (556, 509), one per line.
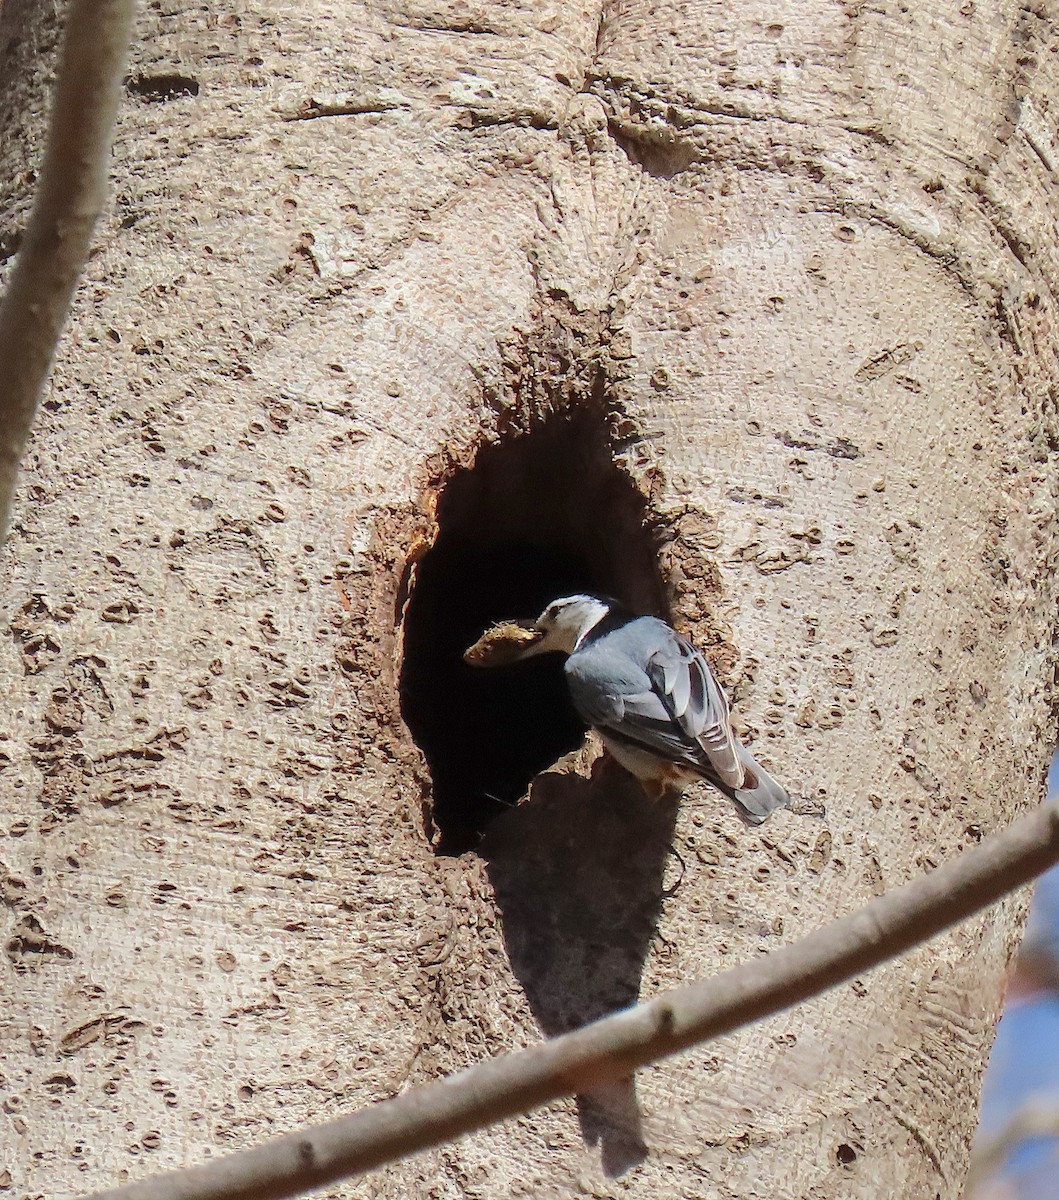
(578, 876)
(30, 31)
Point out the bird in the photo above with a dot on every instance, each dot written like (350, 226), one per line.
(648, 692)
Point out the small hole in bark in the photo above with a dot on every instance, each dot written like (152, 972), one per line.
(157, 89)
(846, 1155)
(539, 516)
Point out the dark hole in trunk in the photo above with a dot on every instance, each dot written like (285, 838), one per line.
(543, 515)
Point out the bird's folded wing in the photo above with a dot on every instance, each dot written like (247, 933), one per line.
(674, 706)
(683, 682)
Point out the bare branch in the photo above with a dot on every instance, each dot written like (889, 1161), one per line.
(611, 1048)
(70, 197)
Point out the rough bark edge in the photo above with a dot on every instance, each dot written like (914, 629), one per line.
(70, 198)
(614, 1046)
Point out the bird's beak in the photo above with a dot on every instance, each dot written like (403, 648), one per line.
(508, 642)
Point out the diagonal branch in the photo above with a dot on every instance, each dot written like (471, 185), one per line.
(611, 1048)
(70, 197)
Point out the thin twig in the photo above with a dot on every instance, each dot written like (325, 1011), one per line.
(70, 197)
(612, 1048)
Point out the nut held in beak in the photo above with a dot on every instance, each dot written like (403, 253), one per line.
(501, 644)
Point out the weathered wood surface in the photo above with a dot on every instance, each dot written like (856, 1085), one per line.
(796, 264)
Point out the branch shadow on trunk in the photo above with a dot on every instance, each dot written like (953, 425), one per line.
(578, 876)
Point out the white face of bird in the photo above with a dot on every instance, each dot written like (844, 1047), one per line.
(565, 622)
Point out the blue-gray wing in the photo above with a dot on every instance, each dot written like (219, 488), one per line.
(648, 684)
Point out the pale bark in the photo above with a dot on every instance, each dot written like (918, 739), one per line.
(800, 262)
(608, 1050)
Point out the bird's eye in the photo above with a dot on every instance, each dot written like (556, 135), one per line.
(552, 613)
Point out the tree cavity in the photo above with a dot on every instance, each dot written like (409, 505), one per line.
(537, 516)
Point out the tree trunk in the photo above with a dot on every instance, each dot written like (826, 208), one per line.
(411, 317)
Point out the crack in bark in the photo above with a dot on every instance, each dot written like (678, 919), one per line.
(312, 107)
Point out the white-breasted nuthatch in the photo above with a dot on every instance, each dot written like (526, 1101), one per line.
(649, 693)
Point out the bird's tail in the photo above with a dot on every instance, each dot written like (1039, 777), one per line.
(760, 794)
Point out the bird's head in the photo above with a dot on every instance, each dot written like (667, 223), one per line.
(565, 622)
(559, 628)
